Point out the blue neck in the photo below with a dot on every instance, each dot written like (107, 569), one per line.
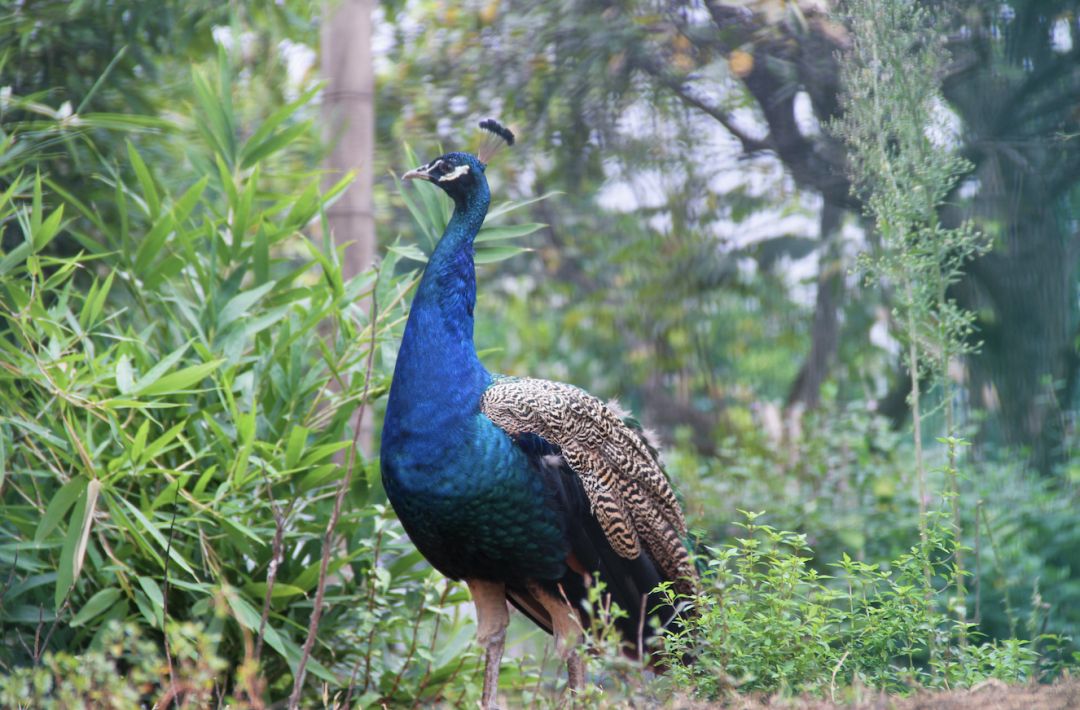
(438, 379)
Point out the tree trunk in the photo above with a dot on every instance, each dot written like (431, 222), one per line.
(1022, 290)
(825, 332)
(348, 114)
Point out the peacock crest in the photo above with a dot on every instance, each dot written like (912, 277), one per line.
(495, 137)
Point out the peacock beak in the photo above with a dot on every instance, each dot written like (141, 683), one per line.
(421, 173)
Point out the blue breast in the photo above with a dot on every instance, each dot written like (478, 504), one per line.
(474, 504)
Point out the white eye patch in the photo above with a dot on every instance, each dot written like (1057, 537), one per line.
(458, 172)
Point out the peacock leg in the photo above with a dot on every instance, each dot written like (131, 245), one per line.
(568, 635)
(492, 618)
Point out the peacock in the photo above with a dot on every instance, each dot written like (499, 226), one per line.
(530, 491)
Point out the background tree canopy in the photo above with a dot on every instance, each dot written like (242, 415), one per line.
(183, 357)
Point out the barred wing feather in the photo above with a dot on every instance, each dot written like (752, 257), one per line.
(628, 492)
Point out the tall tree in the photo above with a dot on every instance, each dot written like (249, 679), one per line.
(348, 115)
(1012, 84)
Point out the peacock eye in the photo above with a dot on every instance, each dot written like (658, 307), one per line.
(444, 167)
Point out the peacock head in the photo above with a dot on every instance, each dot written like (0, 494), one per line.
(460, 175)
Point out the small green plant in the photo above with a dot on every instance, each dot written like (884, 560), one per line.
(768, 622)
(896, 126)
(175, 437)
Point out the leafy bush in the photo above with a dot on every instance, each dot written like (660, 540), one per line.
(176, 431)
(768, 622)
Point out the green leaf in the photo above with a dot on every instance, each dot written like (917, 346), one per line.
(170, 494)
(303, 208)
(96, 605)
(307, 579)
(188, 200)
(152, 243)
(408, 251)
(260, 256)
(511, 206)
(242, 213)
(126, 122)
(15, 256)
(239, 304)
(81, 207)
(179, 381)
(160, 369)
(161, 442)
(156, 534)
(99, 300)
(140, 441)
(59, 506)
(489, 234)
(281, 590)
(36, 207)
(276, 119)
(153, 593)
(74, 549)
(219, 133)
(276, 143)
(252, 620)
(125, 381)
(487, 255)
(48, 229)
(153, 202)
(295, 448)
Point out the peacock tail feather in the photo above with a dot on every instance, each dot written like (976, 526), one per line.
(627, 489)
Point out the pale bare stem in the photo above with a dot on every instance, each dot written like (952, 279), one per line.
(316, 415)
(39, 651)
(316, 611)
(165, 601)
(412, 645)
(11, 576)
(945, 342)
(275, 560)
(913, 366)
(371, 604)
(434, 637)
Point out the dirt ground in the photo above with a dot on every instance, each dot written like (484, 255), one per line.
(991, 695)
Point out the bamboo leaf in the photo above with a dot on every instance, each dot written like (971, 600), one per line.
(48, 229)
(160, 443)
(277, 118)
(511, 206)
(260, 256)
(488, 255)
(159, 369)
(242, 212)
(59, 506)
(489, 234)
(140, 441)
(96, 605)
(295, 447)
(239, 305)
(125, 381)
(153, 202)
(92, 490)
(15, 257)
(156, 534)
(179, 381)
(276, 143)
(152, 243)
(408, 251)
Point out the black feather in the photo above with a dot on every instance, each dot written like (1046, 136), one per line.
(497, 128)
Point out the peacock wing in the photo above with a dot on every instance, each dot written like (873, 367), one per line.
(628, 492)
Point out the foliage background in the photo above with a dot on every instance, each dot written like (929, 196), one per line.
(181, 354)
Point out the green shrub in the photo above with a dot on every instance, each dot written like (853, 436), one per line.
(175, 428)
(768, 622)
